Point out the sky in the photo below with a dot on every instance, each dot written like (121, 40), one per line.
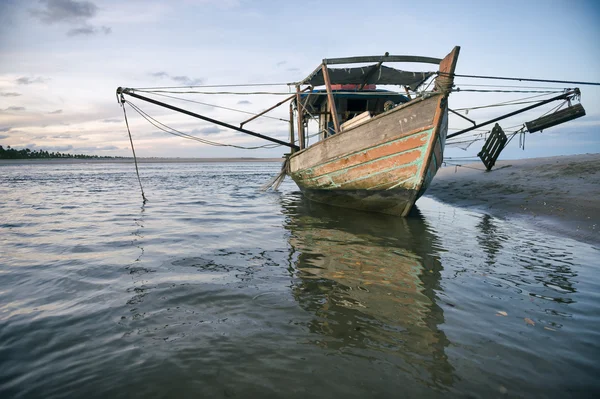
(62, 60)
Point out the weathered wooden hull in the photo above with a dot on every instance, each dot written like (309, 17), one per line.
(383, 165)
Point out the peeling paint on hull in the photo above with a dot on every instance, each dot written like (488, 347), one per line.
(389, 171)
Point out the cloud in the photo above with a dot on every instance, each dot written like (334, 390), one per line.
(293, 69)
(59, 148)
(24, 80)
(241, 102)
(70, 12)
(3, 136)
(184, 80)
(5, 129)
(104, 148)
(10, 94)
(58, 111)
(14, 109)
(222, 4)
(112, 120)
(89, 30)
(64, 11)
(160, 74)
(207, 130)
(280, 63)
(156, 134)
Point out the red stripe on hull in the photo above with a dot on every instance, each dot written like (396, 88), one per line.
(415, 141)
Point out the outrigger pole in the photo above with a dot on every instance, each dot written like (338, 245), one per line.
(564, 96)
(121, 91)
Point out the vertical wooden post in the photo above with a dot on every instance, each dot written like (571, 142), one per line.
(300, 119)
(292, 139)
(332, 107)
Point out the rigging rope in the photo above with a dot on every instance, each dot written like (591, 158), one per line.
(569, 82)
(509, 102)
(274, 93)
(458, 90)
(210, 86)
(122, 101)
(219, 106)
(165, 128)
(496, 105)
(456, 165)
(508, 86)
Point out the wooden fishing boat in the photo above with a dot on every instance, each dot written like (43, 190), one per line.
(378, 151)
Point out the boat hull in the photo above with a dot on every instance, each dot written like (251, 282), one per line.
(383, 165)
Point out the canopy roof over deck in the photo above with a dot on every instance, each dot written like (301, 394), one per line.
(371, 74)
(312, 100)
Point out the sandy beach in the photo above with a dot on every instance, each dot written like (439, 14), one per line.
(559, 194)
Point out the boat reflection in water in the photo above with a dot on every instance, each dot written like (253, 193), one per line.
(371, 281)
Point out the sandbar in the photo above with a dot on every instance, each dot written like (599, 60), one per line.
(558, 194)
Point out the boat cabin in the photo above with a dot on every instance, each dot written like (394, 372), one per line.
(350, 96)
(353, 106)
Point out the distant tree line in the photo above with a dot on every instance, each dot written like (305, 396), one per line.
(26, 153)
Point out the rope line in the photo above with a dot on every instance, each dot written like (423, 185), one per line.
(137, 171)
(212, 86)
(462, 166)
(569, 82)
(509, 102)
(510, 86)
(220, 106)
(168, 129)
(458, 90)
(276, 93)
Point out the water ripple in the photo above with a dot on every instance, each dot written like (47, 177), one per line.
(215, 289)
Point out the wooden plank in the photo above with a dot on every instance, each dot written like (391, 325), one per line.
(292, 139)
(402, 173)
(361, 171)
(408, 143)
(397, 174)
(374, 58)
(379, 58)
(402, 121)
(556, 118)
(300, 118)
(330, 100)
(365, 116)
(493, 147)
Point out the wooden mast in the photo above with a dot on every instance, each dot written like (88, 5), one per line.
(292, 126)
(332, 107)
(300, 119)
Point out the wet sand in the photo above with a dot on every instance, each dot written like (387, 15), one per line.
(559, 194)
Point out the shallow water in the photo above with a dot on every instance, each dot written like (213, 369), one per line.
(214, 289)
